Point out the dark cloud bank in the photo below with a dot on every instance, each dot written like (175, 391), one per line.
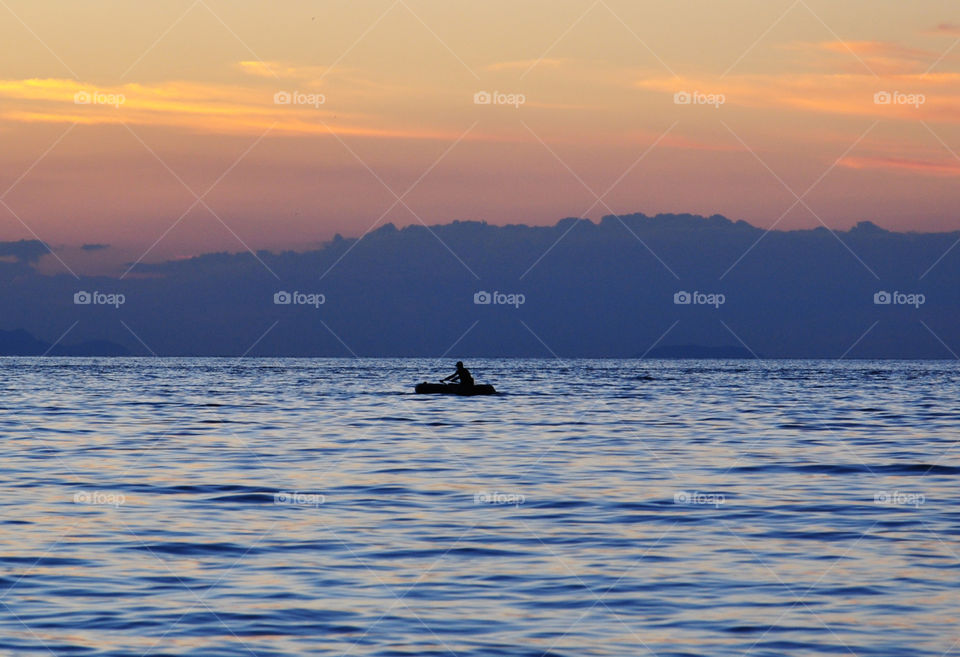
(576, 289)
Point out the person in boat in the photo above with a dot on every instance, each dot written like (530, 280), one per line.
(461, 376)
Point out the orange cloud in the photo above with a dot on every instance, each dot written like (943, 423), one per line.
(873, 57)
(282, 70)
(933, 97)
(902, 164)
(882, 50)
(200, 107)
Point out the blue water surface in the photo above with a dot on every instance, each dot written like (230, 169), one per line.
(596, 507)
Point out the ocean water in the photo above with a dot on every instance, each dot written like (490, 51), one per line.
(597, 507)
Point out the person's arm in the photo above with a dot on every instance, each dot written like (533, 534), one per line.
(450, 378)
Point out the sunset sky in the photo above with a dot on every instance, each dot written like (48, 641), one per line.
(116, 116)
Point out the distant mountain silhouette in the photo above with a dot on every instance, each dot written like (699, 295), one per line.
(21, 343)
(615, 288)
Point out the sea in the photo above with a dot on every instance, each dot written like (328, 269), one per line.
(266, 507)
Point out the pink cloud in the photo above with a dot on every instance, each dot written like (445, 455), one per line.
(948, 29)
(902, 164)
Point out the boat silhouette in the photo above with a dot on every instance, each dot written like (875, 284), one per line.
(453, 389)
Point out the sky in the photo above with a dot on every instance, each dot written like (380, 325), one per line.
(165, 130)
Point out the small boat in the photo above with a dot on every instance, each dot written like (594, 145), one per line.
(453, 389)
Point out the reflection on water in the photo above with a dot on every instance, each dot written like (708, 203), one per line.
(286, 507)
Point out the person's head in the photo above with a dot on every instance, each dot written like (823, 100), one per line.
(459, 364)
